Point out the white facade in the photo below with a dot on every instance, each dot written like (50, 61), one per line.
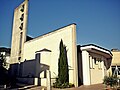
(95, 61)
(31, 59)
(51, 42)
(25, 62)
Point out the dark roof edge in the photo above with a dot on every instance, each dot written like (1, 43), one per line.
(30, 36)
(115, 50)
(5, 49)
(53, 31)
(47, 50)
(96, 46)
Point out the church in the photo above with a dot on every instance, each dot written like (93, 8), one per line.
(32, 57)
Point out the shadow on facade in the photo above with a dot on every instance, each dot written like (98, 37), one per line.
(30, 71)
(80, 69)
(107, 64)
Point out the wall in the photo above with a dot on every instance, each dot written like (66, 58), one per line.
(116, 58)
(80, 66)
(86, 70)
(28, 68)
(98, 69)
(96, 76)
(51, 41)
(93, 73)
(115, 62)
(18, 39)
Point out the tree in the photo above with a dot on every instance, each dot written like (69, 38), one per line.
(4, 79)
(63, 72)
(2, 60)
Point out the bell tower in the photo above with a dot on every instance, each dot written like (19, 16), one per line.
(19, 32)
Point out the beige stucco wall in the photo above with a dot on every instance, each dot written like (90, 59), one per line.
(99, 70)
(93, 73)
(51, 41)
(116, 58)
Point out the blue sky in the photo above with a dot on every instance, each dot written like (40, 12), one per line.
(98, 21)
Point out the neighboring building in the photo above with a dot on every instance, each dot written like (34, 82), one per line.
(6, 53)
(95, 62)
(31, 57)
(115, 62)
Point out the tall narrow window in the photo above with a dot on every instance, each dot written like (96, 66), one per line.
(22, 8)
(95, 61)
(20, 44)
(21, 26)
(22, 17)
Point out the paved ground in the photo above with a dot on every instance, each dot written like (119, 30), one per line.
(90, 87)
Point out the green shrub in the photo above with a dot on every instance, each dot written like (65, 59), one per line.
(110, 80)
(58, 84)
(71, 85)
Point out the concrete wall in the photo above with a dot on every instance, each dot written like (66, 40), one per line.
(28, 68)
(93, 73)
(17, 44)
(97, 73)
(26, 80)
(86, 69)
(96, 76)
(98, 70)
(51, 41)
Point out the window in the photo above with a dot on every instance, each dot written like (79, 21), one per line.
(19, 58)
(20, 44)
(22, 8)
(21, 26)
(116, 70)
(95, 61)
(22, 17)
